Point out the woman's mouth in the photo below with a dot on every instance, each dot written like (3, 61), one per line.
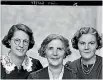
(20, 50)
(55, 58)
(87, 52)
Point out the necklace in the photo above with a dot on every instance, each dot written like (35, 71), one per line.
(87, 71)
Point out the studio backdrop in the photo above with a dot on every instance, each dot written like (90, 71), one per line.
(45, 20)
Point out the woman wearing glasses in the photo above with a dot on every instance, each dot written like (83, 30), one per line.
(55, 48)
(16, 64)
(89, 65)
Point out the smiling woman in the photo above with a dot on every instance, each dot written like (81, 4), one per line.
(16, 64)
(89, 65)
(55, 48)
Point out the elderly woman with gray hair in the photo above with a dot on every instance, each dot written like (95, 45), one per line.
(55, 48)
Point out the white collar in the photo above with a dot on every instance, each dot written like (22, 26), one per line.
(10, 66)
(60, 75)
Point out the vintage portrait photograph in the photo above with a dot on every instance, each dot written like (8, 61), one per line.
(53, 40)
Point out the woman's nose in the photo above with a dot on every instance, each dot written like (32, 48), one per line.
(55, 53)
(21, 44)
(86, 46)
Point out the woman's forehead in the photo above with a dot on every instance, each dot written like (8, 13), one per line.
(56, 42)
(20, 34)
(87, 37)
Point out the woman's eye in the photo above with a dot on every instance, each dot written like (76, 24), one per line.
(91, 43)
(60, 48)
(82, 43)
(50, 48)
(26, 41)
(17, 40)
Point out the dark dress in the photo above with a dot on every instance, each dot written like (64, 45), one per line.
(43, 74)
(96, 72)
(9, 71)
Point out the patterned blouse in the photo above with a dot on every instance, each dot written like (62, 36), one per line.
(10, 71)
(94, 73)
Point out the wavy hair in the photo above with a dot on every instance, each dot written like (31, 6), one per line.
(86, 30)
(51, 37)
(13, 29)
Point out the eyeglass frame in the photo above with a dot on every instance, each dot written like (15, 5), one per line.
(14, 39)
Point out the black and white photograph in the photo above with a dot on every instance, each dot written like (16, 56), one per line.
(53, 40)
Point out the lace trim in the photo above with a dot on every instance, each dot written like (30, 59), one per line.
(27, 64)
(10, 66)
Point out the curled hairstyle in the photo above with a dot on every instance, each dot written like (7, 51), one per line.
(23, 28)
(51, 37)
(86, 30)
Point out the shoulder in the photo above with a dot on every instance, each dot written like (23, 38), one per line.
(2, 58)
(69, 73)
(5, 60)
(69, 64)
(34, 60)
(99, 60)
(67, 70)
(37, 74)
(36, 65)
(99, 57)
(75, 62)
(73, 65)
(39, 71)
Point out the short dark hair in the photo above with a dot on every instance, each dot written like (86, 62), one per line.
(51, 37)
(86, 30)
(21, 27)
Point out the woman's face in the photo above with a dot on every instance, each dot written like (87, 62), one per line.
(19, 43)
(55, 52)
(87, 45)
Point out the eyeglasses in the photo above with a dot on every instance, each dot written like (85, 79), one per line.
(18, 41)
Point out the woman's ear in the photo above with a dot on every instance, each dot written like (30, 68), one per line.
(97, 46)
(45, 56)
(45, 53)
(9, 41)
(64, 56)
